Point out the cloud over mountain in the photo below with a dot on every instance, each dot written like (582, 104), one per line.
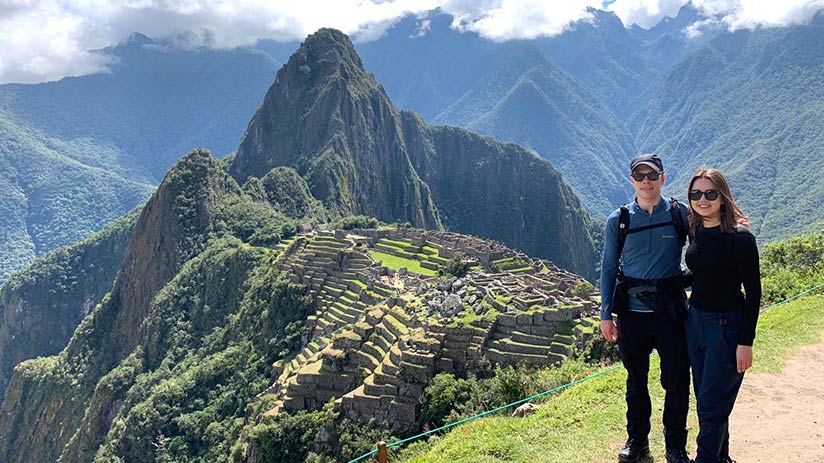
(50, 39)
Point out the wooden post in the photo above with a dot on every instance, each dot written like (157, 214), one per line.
(382, 454)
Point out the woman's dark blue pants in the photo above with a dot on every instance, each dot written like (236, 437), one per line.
(712, 338)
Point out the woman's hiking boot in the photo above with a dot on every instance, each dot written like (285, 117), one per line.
(678, 456)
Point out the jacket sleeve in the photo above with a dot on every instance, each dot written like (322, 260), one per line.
(746, 259)
(609, 265)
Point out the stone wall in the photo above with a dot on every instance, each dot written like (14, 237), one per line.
(379, 336)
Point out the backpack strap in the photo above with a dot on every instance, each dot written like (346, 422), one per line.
(678, 221)
(623, 227)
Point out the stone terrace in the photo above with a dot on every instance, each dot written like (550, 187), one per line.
(379, 335)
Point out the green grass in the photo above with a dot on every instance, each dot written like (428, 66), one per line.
(585, 423)
(520, 269)
(396, 263)
(395, 243)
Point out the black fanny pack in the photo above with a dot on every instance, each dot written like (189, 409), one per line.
(665, 296)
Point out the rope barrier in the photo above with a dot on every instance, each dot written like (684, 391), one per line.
(550, 391)
(806, 291)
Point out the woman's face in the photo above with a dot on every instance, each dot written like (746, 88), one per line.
(708, 209)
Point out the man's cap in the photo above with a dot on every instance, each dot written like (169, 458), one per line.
(651, 160)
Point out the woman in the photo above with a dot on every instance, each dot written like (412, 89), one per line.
(721, 322)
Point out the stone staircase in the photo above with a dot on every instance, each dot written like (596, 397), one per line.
(410, 360)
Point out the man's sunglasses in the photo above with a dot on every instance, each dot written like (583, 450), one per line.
(639, 177)
(695, 195)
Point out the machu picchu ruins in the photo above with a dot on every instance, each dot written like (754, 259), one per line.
(389, 317)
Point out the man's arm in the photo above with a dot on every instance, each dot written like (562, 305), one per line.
(609, 270)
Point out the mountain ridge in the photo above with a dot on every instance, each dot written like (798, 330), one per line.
(366, 133)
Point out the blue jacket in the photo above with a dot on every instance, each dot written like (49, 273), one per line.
(650, 254)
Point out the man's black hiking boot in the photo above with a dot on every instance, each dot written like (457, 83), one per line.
(678, 456)
(633, 451)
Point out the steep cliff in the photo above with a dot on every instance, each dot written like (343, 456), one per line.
(47, 397)
(43, 304)
(333, 123)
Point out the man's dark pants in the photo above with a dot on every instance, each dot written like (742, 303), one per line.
(713, 340)
(639, 333)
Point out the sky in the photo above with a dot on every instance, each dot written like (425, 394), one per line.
(48, 39)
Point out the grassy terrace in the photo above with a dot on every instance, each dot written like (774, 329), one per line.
(409, 252)
(511, 264)
(585, 423)
(396, 263)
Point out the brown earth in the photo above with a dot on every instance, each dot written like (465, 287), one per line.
(780, 417)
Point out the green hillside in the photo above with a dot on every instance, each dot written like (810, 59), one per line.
(748, 103)
(43, 303)
(51, 199)
(529, 100)
(80, 152)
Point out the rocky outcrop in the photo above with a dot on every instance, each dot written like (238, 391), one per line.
(333, 123)
(330, 121)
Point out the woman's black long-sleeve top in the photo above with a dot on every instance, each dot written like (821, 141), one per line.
(720, 264)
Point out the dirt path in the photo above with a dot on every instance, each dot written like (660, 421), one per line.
(780, 418)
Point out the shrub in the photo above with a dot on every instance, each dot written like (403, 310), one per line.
(791, 266)
(457, 266)
(355, 221)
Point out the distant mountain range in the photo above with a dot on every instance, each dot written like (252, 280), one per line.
(745, 102)
(77, 153)
(750, 104)
(80, 152)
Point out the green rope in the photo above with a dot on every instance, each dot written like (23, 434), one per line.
(806, 291)
(494, 410)
(556, 389)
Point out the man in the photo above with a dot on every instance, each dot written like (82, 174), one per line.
(650, 302)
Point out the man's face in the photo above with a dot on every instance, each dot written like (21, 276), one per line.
(647, 189)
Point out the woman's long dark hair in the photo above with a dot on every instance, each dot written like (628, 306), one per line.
(730, 213)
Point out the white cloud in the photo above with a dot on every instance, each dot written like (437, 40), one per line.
(735, 14)
(645, 13)
(516, 19)
(751, 14)
(48, 39)
(422, 28)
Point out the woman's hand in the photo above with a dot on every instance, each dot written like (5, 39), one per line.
(743, 355)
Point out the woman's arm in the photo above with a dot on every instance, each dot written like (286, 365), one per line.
(746, 258)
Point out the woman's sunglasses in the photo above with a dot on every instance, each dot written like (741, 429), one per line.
(695, 195)
(639, 177)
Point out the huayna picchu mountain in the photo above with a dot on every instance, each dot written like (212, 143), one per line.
(334, 124)
(223, 323)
